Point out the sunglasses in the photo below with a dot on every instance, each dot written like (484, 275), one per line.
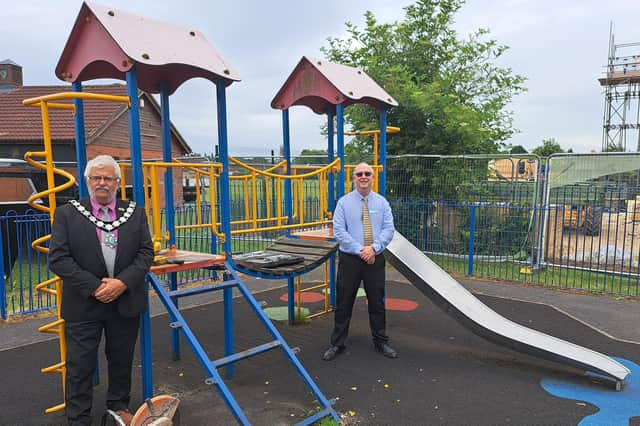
(360, 174)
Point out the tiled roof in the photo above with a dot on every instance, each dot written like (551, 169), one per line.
(21, 123)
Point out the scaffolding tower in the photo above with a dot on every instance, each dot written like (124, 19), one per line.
(621, 119)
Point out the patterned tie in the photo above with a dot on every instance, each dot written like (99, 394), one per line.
(109, 243)
(366, 223)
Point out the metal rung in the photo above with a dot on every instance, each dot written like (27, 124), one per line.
(203, 289)
(55, 368)
(246, 353)
(55, 408)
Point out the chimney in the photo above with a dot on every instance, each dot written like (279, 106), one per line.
(10, 76)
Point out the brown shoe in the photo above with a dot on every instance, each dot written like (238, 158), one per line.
(125, 415)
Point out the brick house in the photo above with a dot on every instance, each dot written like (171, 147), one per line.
(106, 125)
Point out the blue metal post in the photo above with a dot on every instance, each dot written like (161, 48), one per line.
(472, 226)
(167, 157)
(226, 215)
(224, 176)
(382, 186)
(340, 138)
(138, 196)
(145, 351)
(134, 137)
(286, 143)
(290, 300)
(228, 328)
(330, 157)
(169, 206)
(81, 146)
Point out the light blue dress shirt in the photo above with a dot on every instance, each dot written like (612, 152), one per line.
(347, 222)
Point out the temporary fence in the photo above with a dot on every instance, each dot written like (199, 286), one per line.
(569, 221)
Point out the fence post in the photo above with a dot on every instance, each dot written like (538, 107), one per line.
(472, 226)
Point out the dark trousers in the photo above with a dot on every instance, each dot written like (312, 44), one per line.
(83, 339)
(351, 271)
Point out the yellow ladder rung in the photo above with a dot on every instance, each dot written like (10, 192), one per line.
(47, 327)
(55, 368)
(48, 291)
(317, 314)
(315, 287)
(47, 282)
(55, 408)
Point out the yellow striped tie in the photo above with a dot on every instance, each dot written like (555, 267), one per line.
(366, 223)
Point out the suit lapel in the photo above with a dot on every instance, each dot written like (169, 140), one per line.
(121, 207)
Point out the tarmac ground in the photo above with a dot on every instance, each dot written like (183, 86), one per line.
(445, 374)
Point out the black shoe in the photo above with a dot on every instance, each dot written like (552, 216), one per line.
(386, 350)
(332, 352)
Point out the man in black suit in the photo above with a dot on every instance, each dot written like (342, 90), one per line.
(101, 249)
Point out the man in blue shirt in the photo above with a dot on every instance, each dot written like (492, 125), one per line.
(363, 226)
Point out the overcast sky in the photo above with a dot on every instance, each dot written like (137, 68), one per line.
(561, 46)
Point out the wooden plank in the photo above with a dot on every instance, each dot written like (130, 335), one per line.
(297, 250)
(190, 260)
(322, 234)
(306, 243)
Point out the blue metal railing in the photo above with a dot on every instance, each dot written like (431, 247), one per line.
(499, 240)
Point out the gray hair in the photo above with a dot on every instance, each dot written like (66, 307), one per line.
(101, 161)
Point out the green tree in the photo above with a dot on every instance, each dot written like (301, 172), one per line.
(548, 147)
(452, 96)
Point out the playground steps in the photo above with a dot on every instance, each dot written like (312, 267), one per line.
(231, 280)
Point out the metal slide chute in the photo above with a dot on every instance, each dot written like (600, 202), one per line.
(468, 310)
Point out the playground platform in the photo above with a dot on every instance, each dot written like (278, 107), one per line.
(444, 375)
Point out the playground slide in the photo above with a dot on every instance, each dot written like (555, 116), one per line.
(458, 302)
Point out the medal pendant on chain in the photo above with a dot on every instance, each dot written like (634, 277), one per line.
(109, 239)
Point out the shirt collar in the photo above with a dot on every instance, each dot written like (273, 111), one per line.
(96, 206)
(362, 197)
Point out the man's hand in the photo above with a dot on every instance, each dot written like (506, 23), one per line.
(109, 290)
(368, 254)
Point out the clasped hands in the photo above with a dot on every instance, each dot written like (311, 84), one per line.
(109, 290)
(368, 254)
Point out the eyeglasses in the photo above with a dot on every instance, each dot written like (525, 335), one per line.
(105, 179)
(360, 174)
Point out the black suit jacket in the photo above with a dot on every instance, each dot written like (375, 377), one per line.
(75, 256)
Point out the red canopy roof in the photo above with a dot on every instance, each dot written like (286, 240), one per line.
(106, 43)
(321, 85)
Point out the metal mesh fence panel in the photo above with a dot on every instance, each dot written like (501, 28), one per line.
(570, 221)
